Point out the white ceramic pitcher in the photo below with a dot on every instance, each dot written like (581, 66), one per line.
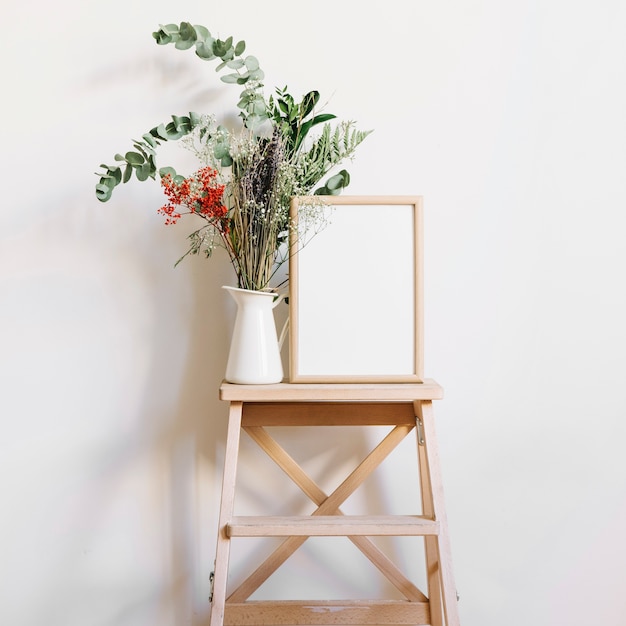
(254, 357)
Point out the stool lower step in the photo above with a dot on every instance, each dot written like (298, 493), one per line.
(264, 613)
(331, 525)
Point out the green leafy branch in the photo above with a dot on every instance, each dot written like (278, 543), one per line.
(141, 161)
(246, 69)
(329, 149)
(293, 119)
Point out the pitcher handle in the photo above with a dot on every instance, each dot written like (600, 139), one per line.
(283, 333)
(278, 299)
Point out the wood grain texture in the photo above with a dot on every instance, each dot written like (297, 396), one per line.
(265, 613)
(343, 392)
(399, 406)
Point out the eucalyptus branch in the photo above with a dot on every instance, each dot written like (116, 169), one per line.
(141, 161)
(246, 69)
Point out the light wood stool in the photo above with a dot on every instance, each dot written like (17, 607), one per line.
(400, 406)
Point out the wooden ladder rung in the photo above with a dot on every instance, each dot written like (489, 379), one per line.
(263, 613)
(331, 525)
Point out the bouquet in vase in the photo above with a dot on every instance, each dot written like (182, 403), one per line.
(240, 194)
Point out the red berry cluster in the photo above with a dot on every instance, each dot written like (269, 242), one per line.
(199, 193)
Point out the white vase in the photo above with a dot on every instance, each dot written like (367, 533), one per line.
(254, 357)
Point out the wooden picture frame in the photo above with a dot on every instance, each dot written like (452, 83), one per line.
(356, 291)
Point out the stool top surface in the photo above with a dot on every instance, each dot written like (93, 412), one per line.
(332, 392)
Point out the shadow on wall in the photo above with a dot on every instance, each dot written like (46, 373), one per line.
(168, 334)
(182, 421)
(192, 434)
(128, 353)
(197, 437)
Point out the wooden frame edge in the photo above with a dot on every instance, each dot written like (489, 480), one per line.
(417, 201)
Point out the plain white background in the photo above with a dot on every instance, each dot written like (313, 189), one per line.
(508, 117)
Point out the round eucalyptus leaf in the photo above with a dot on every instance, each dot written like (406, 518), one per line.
(235, 64)
(220, 150)
(170, 29)
(160, 131)
(204, 49)
(134, 158)
(142, 172)
(173, 134)
(252, 63)
(103, 193)
(230, 54)
(184, 44)
(149, 139)
(202, 31)
(164, 171)
(113, 178)
(231, 79)
(181, 122)
(161, 38)
(336, 182)
(220, 47)
(187, 31)
(259, 107)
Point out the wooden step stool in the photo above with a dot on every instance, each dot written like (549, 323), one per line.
(400, 406)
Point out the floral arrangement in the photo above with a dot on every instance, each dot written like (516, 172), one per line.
(247, 175)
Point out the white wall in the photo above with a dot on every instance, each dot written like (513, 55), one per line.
(508, 117)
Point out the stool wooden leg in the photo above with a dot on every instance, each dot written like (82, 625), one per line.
(442, 590)
(431, 547)
(226, 512)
